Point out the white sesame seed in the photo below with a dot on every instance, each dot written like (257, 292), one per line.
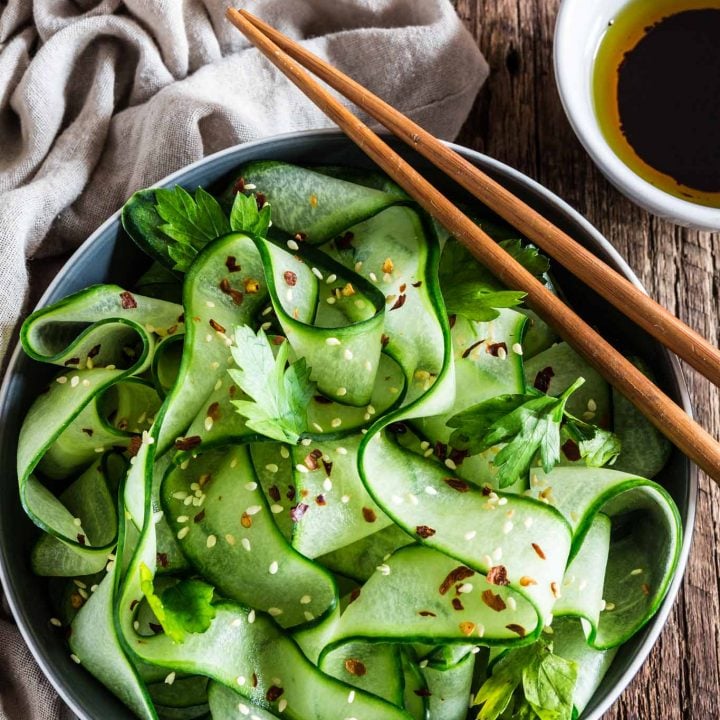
(431, 490)
(75, 381)
(331, 278)
(341, 391)
(251, 617)
(308, 615)
(498, 554)
(183, 532)
(276, 509)
(465, 588)
(330, 300)
(609, 606)
(254, 509)
(282, 705)
(327, 484)
(246, 544)
(332, 341)
(367, 365)
(517, 348)
(86, 383)
(61, 380)
(502, 501)
(637, 571)
(470, 534)
(305, 600)
(318, 427)
(75, 658)
(345, 499)
(267, 310)
(450, 464)
(54, 621)
(591, 405)
(507, 527)
(77, 522)
(170, 679)
(230, 539)
(423, 663)
(347, 354)
(284, 452)
(182, 519)
(317, 273)
(293, 245)
(302, 468)
(480, 629)
(271, 467)
(251, 485)
(209, 423)
(397, 500)
(188, 500)
(511, 603)
(501, 353)
(358, 266)
(274, 611)
(527, 522)
(306, 442)
(208, 337)
(428, 452)
(351, 697)
(244, 709)
(336, 422)
(211, 541)
(240, 680)
(367, 416)
(218, 385)
(273, 567)
(383, 569)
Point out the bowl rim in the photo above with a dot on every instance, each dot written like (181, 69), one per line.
(627, 181)
(659, 620)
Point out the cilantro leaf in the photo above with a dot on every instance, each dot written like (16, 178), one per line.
(529, 683)
(279, 397)
(528, 424)
(182, 608)
(598, 447)
(469, 289)
(245, 216)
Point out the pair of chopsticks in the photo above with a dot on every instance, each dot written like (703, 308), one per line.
(668, 417)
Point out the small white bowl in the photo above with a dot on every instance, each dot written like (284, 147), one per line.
(579, 28)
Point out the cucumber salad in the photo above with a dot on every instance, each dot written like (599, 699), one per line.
(318, 463)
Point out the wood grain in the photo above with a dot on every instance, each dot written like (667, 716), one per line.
(518, 119)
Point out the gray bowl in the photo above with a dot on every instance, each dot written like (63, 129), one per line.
(109, 256)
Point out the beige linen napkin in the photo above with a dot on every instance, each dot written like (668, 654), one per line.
(101, 97)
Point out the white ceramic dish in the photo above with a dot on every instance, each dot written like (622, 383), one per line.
(579, 29)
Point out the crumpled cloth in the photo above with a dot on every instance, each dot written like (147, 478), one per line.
(99, 98)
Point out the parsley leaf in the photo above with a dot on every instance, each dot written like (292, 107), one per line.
(598, 447)
(279, 397)
(529, 424)
(182, 608)
(469, 289)
(192, 222)
(531, 682)
(245, 216)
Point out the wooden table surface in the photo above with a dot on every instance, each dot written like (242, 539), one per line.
(518, 119)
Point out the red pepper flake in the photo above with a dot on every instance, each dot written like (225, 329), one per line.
(384, 340)
(457, 604)
(399, 302)
(645, 589)
(232, 391)
(354, 595)
(216, 326)
(134, 445)
(199, 517)
(231, 264)
(311, 459)
(467, 628)
(517, 629)
(355, 667)
(297, 512)
(254, 680)
(246, 520)
(397, 428)
(181, 318)
(274, 493)
(278, 340)
(543, 378)
(345, 241)
(417, 284)
(451, 321)
(188, 443)
(162, 559)
(300, 237)
(322, 400)
(81, 538)
(290, 278)
(440, 450)
(260, 200)
(424, 531)
(274, 692)
(172, 329)
(327, 466)
(526, 581)
(369, 514)
(214, 411)
(320, 500)
(290, 494)
(458, 456)
(94, 351)
(157, 629)
(76, 601)
(72, 361)
(571, 450)
(426, 613)
(460, 485)
(494, 348)
(239, 186)
(88, 431)
(127, 301)
(493, 601)
(403, 288)
(497, 575)
(554, 590)
(486, 490)
(472, 347)
(539, 551)
(224, 285)
(457, 575)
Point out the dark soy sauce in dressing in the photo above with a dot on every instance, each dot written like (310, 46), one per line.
(657, 95)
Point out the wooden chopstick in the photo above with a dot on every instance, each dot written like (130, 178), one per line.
(613, 287)
(668, 417)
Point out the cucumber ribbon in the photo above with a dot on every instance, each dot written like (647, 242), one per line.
(357, 571)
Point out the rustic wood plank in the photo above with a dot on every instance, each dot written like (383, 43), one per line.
(519, 120)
